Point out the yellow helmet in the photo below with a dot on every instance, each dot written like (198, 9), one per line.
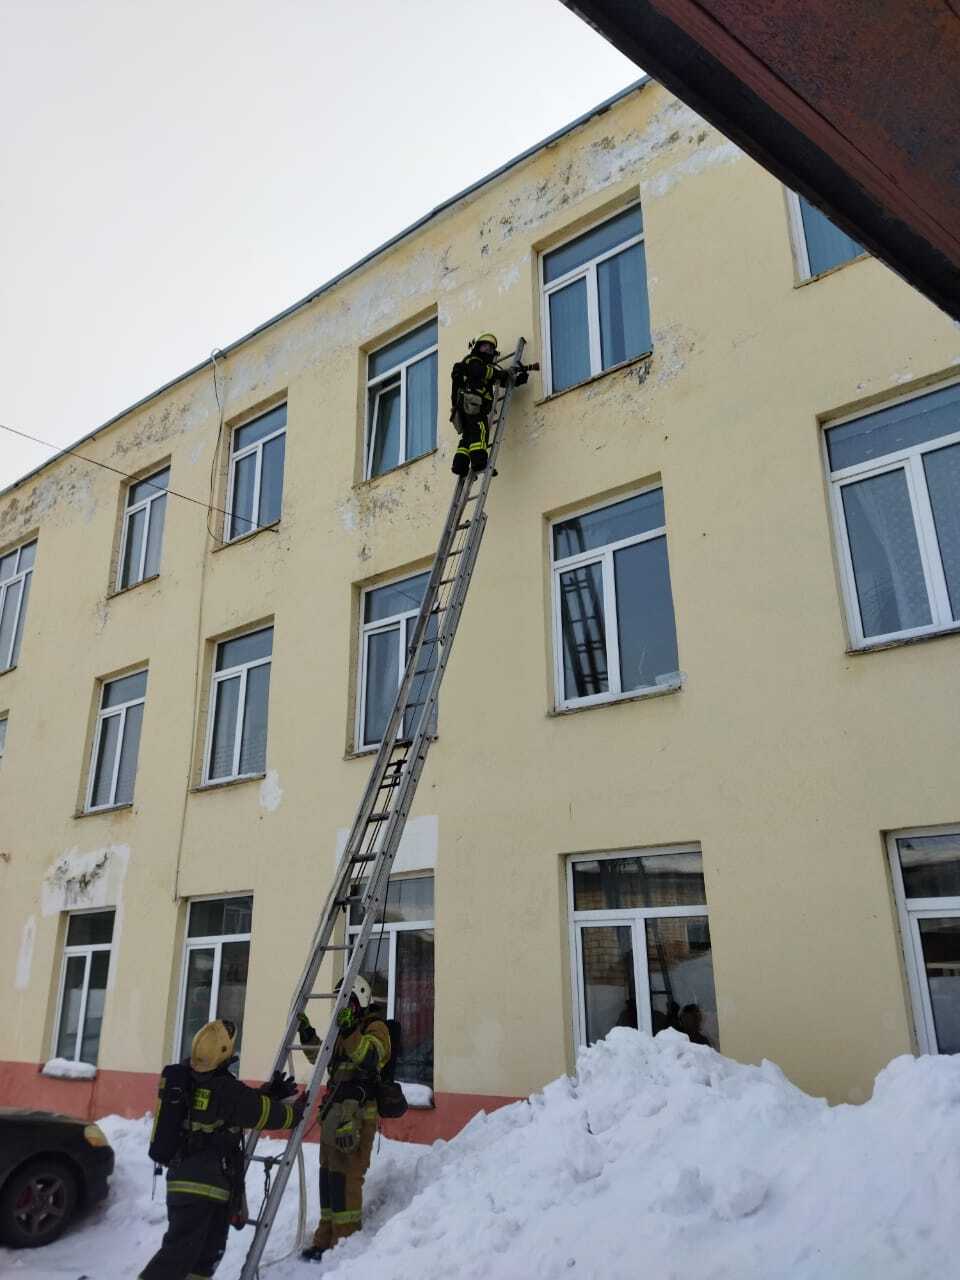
(485, 337)
(213, 1045)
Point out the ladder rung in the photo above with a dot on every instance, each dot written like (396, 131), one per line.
(348, 902)
(466, 525)
(263, 1160)
(326, 995)
(365, 857)
(457, 551)
(382, 816)
(445, 582)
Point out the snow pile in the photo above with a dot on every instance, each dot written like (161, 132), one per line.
(419, 1096)
(661, 1159)
(67, 1069)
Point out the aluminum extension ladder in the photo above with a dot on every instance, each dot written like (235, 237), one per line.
(363, 871)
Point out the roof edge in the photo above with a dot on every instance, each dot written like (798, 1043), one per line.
(294, 307)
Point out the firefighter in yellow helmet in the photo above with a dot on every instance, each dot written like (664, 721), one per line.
(201, 1114)
(349, 1117)
(474, 380)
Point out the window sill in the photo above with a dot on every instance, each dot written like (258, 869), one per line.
(67, 1069)
(641, 695)
(274, 525)
(125, 591)
(830, 271)
(107, 808)
(362, 752)
(900, 642)
(6, 670)
(221, 783)
(596, 377)
(403, 466)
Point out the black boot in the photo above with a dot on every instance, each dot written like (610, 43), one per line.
(313, 1254)
(461, 464)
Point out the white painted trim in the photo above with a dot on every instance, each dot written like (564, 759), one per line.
(146, 505)
(85, 950)
(237, 456)
(396, 621)
(798, 236)
(399, 371)
(207, 942)
(218, 678)
(21, 576)
(104, 714)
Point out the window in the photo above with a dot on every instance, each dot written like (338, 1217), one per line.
(389, 617)
(595, 309)
(255, 491)
(641, 944)
(614, 625)
(399, 964)
(926, 877)
(116, 742)
(402, 400)
(895, 477)
(16, 573)
(239, 699)
(819, 245)
(83, 986)
(142, 538)
(3, 735)
(215, 962)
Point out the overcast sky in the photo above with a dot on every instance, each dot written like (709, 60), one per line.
(173, 173)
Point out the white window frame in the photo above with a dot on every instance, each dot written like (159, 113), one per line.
(367, 629)
(4, 721)
(389, 931)
(146, 505)
(19, 576)
(909, 460)
(634, 918)
(378, 383)
(602, 555)
(204, 943)
(86, 950)
(237, 456)
(910, 912)
(217, 677)
(798, 240)
(104, 714)
(588, 270)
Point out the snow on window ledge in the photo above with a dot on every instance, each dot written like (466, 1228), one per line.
(66, 1069)
(419, 1096)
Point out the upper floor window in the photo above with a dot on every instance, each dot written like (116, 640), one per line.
(895, 479)
(215, 963)
(819, 245)
(16, 574)
(402, 400)
(142, 538)
(613, 607)
(116, 742)
(595, 308)
(389, 617)
(3, 735)
(83, 986)
(399, 964)
(255, 490)
(239, 699)
(926, 876)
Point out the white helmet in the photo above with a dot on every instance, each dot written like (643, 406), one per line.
(363, 991)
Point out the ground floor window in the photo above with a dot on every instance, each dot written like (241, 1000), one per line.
(399, 963)
(215, 962)
(640, 944)
(926, 877)
(83, 985)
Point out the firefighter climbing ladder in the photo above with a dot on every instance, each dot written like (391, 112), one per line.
(360, 885)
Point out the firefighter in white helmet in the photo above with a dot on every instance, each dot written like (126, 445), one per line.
(349, 1114)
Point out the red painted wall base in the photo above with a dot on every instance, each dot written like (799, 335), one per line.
(131, 1093)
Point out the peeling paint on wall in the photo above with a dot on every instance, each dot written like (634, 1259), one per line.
(691, 165)
(81, 880)
(271, 792)
(25, 955)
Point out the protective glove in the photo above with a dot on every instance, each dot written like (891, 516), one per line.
(307, 1033)
(520, 376)
(280, 1086)
(347, 1135)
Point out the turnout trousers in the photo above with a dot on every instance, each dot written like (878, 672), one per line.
(341, 1187)
(472, 449)
(194, 1242)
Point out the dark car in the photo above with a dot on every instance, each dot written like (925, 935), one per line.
(50, 1166)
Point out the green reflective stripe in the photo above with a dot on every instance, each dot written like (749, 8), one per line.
(264, 1112)
(348, 1215)
(368, 1042)
(287, 1116)
(326, 1215)
(199, 1189)
(370, 1111)
(198, 1127)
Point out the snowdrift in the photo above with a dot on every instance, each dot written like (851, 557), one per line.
(660, 1160)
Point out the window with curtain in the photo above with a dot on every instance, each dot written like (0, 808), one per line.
(215, 962)
(255, 491)
(389, 616)
(16, 576)
(820, 245)
(595, 308)
(142, 538)
(895, 478)
(401, 400)
(239, 702)
(613, 606)
(399, 965)
(83, 986)
(116, 742)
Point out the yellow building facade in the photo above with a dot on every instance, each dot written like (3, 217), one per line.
(696, 753)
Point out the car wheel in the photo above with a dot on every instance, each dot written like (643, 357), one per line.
(37, 1202)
